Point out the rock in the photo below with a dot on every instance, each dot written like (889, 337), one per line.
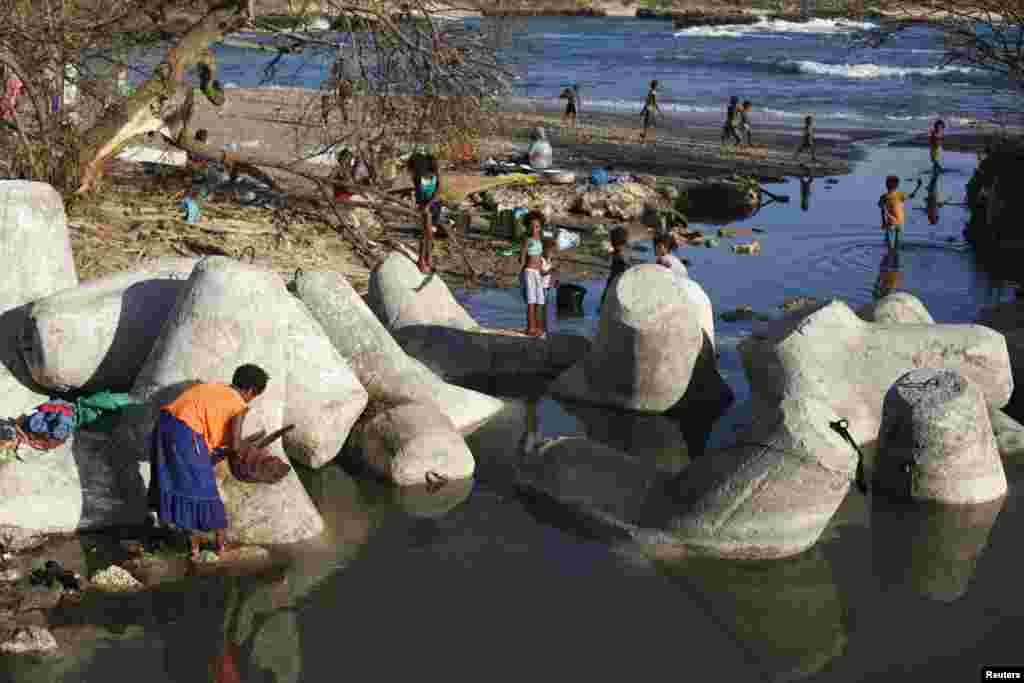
(277, 648)
(383, 368)
(457, 355)
(32, 214)
(414, 443)
(936, 442)
(1009, 435)
(29, 640)
(40, 597)
(751, 249)
(432, 503)
(401, 295)
(591, 478)
(645, 349)
(798, 303)
(34, 243)
(115, 579)
(850, 364)
(773, 495)
(323, 396)
(86, 483)
(930, 549)
(898, 308)
(230, 314)
(623, 202)
(365, 220)
(97, 335)
(11, 575)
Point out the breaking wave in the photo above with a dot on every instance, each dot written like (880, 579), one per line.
(873, 71)
(814, 26)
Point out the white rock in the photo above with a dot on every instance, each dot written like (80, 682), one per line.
(29, 640)
(898, 308)
(114, 578)
(401, 295)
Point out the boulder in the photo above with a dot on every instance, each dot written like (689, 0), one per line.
(230, 314)
(86, 483)
(401, 295)
(456, 354)
(898, 308)
(323, 396)
(29, 640)
(97, 335)
(830, 353)
(936, 442)
(929, 549)
(623, 201)
(589, 478)
(773, 495)
(1009, 435)
(383, 368)
(31, 215)
(414, 443)
(646, 346)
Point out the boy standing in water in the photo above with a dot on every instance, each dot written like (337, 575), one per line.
(807, 143)
(935, 140)
(894, 214)
(650, 108)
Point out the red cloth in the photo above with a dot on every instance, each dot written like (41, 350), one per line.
(61, 408)
(223, 668)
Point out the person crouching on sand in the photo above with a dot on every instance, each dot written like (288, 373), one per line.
(205, 417)
(426, 182)
(531, 257)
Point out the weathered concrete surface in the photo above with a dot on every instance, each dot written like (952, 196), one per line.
(86, 483)
(773, 497)
(645, 349)
(383, 368)
(590, 478)
(658, 440)
(936, 442)
(401, 295)
(97, 335)
(456, 354)
(323, 396)
(229, 314)
(1009, 435)
(896, 309)
(36, 252)
(929, 549)
(412, 444)
(830, 353)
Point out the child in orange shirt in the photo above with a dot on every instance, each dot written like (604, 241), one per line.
(894, 215)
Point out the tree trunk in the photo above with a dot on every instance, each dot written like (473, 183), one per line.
(153, 103)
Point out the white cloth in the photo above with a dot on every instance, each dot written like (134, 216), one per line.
(533, 282)
(540, 155)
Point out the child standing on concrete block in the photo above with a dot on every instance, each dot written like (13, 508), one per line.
(426, 182)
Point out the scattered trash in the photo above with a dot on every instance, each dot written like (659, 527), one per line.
(114, 578)
(744, 312)
(599, 177)
(52, 572)
(508, 252)
(709, 242)
(567, 239)
(192, 211)
(753, 248)
(735, 232)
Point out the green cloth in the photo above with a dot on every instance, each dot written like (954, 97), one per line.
(100, 412)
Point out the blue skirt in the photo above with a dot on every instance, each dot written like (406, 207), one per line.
(182, 486)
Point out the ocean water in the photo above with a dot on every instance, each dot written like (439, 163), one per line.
(822, 67)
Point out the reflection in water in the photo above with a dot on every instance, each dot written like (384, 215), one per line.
(934, 199)
(890, 278)
(786, 614)
(806, 180)
(931, 549)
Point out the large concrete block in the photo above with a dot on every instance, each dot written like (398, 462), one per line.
(401, 295)
(97, 335)
(383, 368)
(898, 308)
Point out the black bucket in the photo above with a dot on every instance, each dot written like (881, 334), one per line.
(570, 298)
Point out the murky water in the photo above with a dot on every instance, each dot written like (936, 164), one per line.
(475, 583)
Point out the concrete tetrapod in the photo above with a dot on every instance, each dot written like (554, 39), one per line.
(1009, 435)
(898, 308)
(401, 295)
(323, 397)
(36, 252)
(414, 443)
(230, 314)
(772, 495)
(936, 441)
(849, 363)
(97, 335)
(383, 368)
(646, 346)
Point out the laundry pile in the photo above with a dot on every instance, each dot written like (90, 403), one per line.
(51, 423)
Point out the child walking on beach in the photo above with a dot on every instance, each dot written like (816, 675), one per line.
(571, 95)
(935, 140)
(183, 489)
(731, 120)
(745, 121)
(807, 142)
(894, 214)
(549, 273)
(426, 182)
(532, 278)
(650, 109)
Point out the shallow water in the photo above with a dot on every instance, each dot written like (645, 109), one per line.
(474, 582)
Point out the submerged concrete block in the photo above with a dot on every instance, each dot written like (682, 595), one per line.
(936, 441)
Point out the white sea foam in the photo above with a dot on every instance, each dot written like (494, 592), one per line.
(872, 71)
(814, 26)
